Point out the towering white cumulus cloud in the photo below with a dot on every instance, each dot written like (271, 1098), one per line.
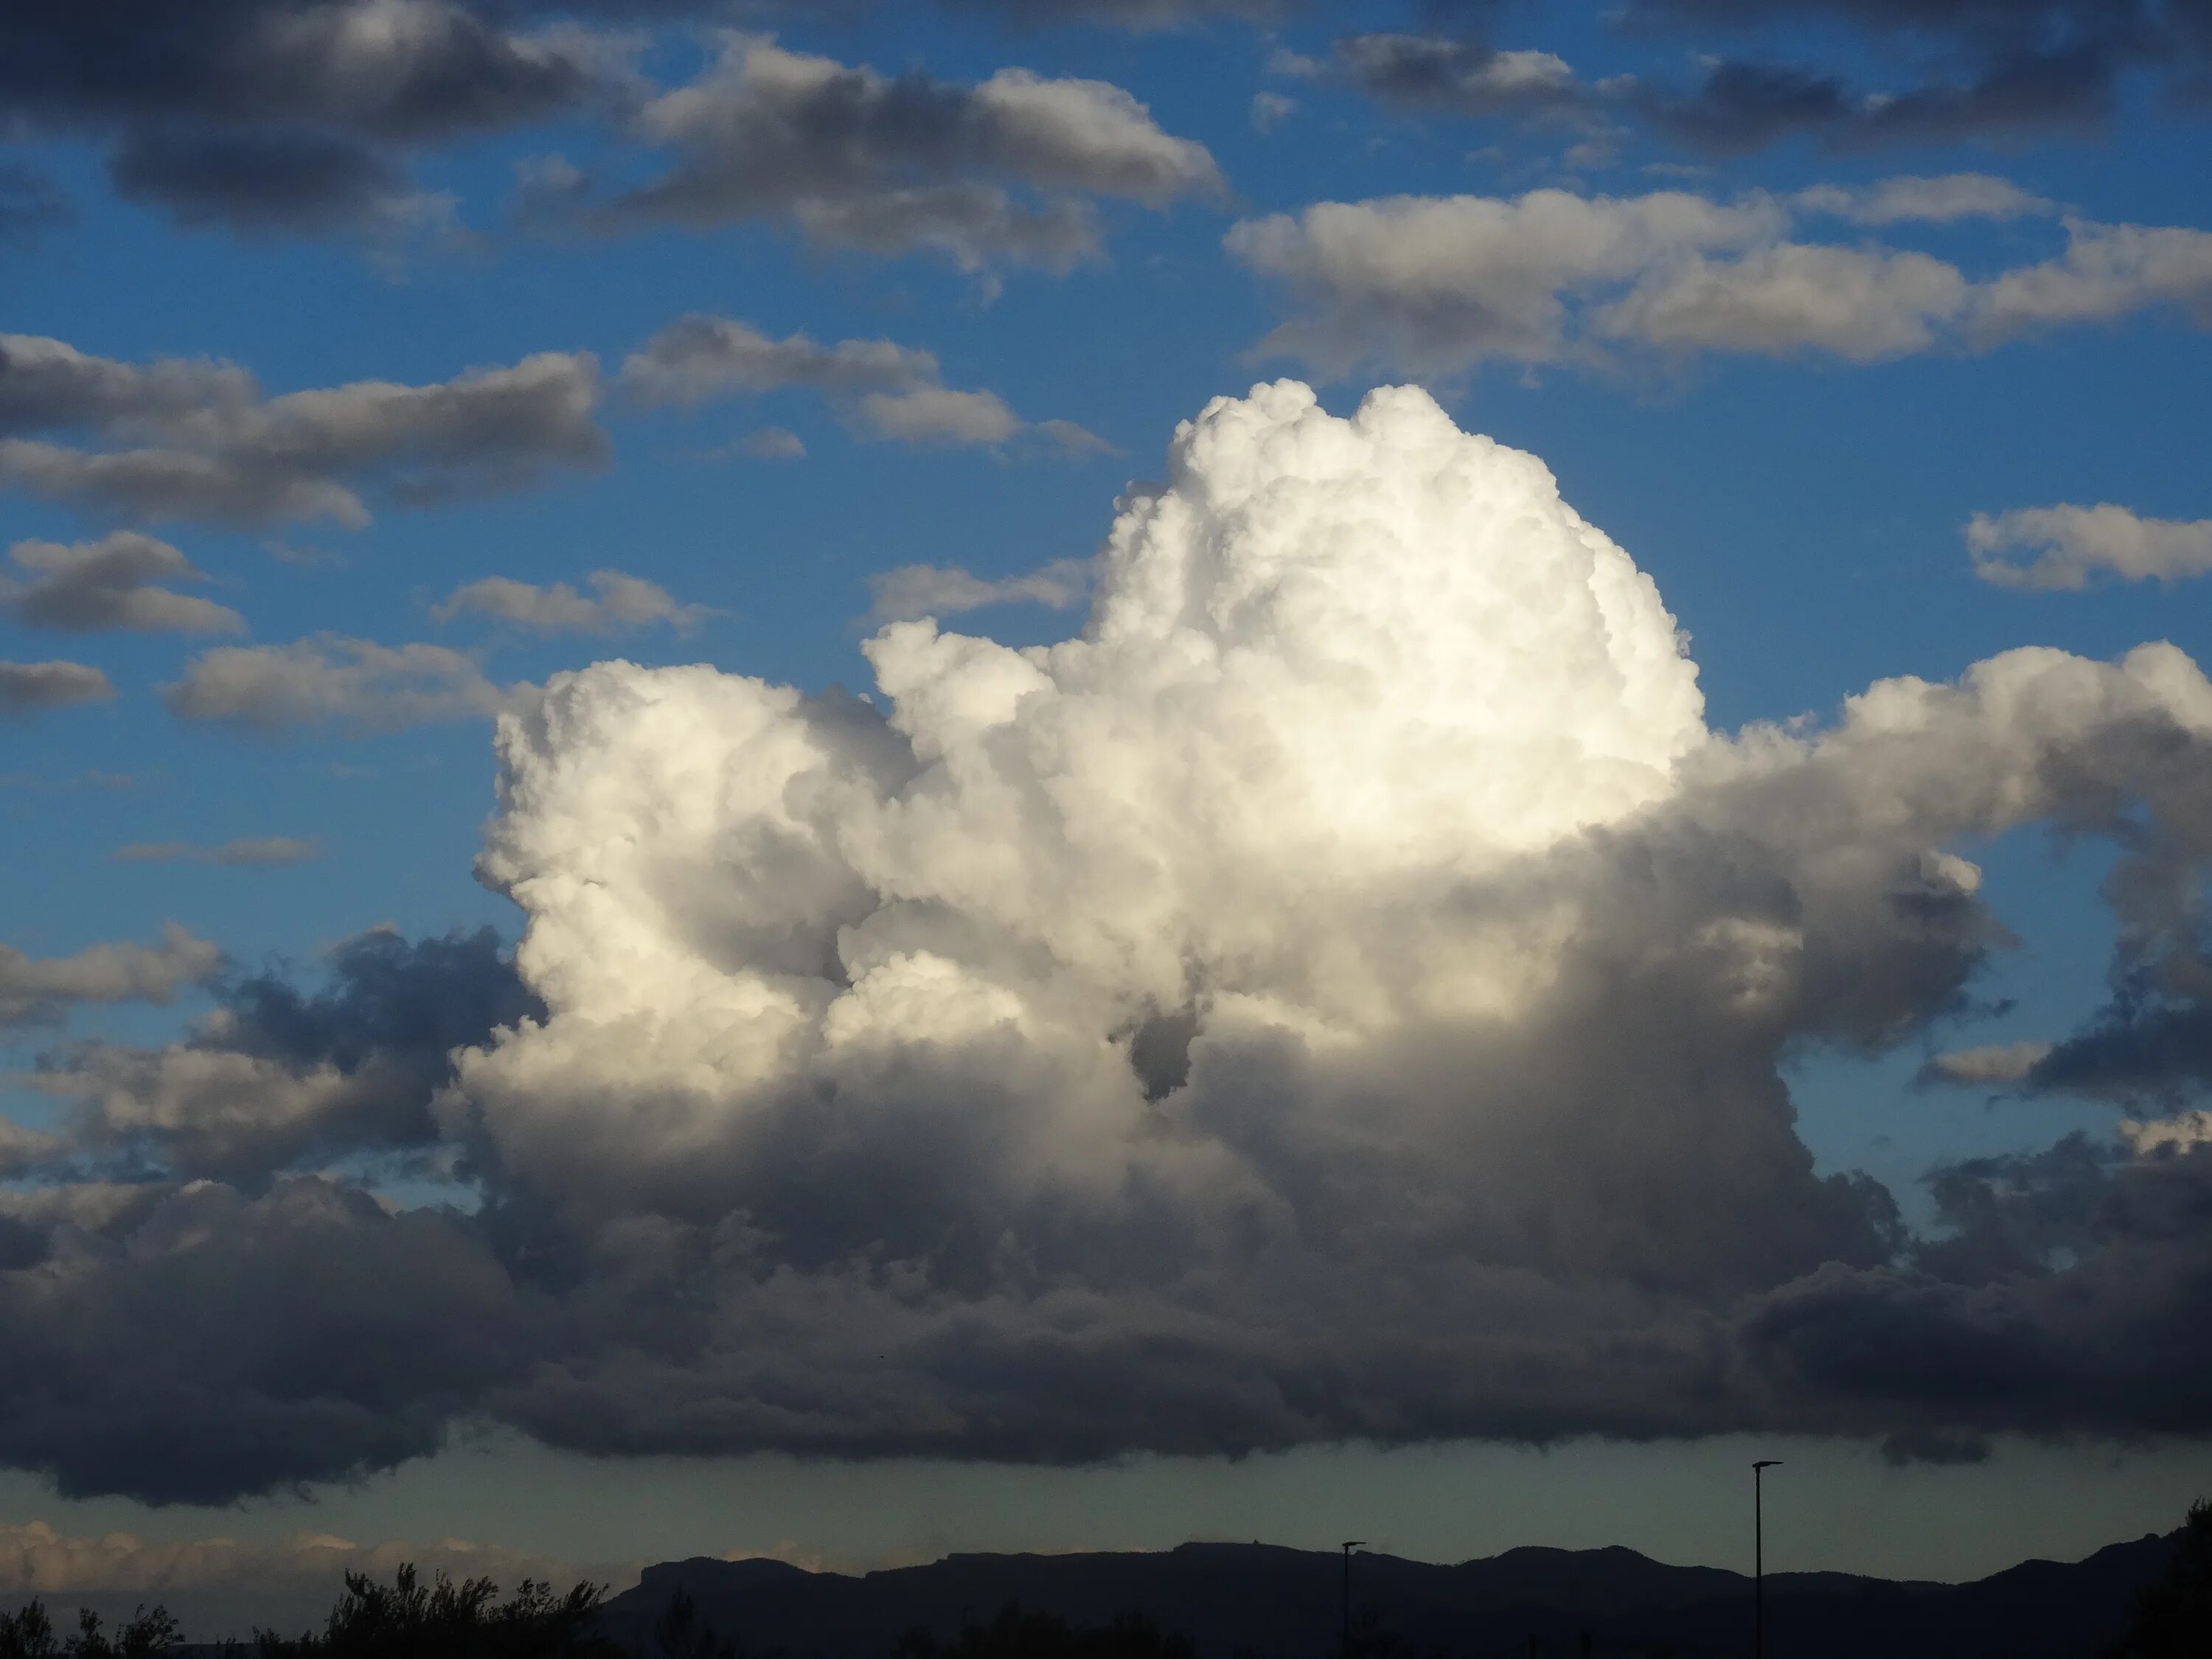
(1343, 991)
(1332, 668)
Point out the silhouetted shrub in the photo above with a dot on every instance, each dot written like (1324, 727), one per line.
(2173, 1616)
(28, 1633)
(409, 1619)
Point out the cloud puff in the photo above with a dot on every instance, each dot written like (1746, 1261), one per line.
(1344, 991)
(26, 687)
(1942, 200)
(1438, 284)
(111, 583)
(40, 988)
(618, 601)
(192, 439)
(247, 849)
(2072, 545)
(330, 678)
(888, 391)
(892, 164)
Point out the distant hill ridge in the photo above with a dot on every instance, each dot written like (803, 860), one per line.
(1282, 1603)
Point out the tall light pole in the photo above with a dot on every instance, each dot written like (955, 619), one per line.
(1759, 1557)
(1350, 1545)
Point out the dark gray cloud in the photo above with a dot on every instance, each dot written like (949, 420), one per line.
(1459, 76)
(279, 1079)
(186, 438)
(267, 180)
(1971, 68)
(268, 113)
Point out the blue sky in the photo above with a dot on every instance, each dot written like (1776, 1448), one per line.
(1798, 489)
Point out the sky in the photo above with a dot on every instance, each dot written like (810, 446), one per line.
(1040, 774)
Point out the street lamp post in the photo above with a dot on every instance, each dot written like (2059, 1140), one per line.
(1759, 1557)
(1350, 1545)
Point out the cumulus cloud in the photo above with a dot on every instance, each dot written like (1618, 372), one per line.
(245, 849)
(1343, 991)
(41, 988)
(1438, 284)
(889, 164)
(2070, 545)
(27, 687)
(914, 591)
(333, 679)
(618, 601)
(192, 439)
(111, 583)
(886, 390)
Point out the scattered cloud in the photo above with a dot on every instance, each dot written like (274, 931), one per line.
(884, 390)
(112, 583)
(616, 602)
(40, 990)
(26, 687)
(332, 679)
(2070, 546)
(1271, 109)
(891, 165)
(2001, 1063)
(914, 591)
(244, 850)
(1438, 284)
(187, 438)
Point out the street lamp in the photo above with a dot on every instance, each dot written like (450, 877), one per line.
(1759, 1558)
(1350, 1545)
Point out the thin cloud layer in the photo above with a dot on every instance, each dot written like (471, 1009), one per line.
(332, 680)
(618, 601)
(1439, 284)
(242, 850)
(1343, 991)
(915, 591)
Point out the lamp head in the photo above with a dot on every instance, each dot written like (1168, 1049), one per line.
(1767, 1463)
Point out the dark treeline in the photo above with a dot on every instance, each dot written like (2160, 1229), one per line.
(409, 1619)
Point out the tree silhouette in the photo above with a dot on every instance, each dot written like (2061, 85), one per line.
(2173, 1616)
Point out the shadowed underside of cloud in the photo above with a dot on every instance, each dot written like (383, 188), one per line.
(1341, 992)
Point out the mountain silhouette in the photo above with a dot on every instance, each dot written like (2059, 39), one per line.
(1263, 1599)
